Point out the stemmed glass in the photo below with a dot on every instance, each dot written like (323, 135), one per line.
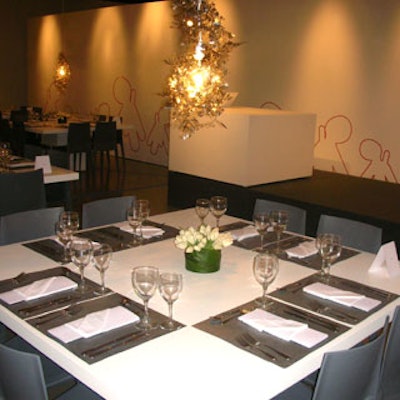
(202, 209)
(279, 220)
(81, 254)
(329, 246)
(136, 215)
(70, 219)
(101, 257)
(170, 285)
(64, 235)
(265, 269)
(218, 207)
(5, 155)
(144, 282)
(261, 223)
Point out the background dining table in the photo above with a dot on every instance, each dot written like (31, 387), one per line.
(192, 362)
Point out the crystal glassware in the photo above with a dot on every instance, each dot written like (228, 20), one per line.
(279, 220)
(136, 215)
(265, 270)
(70, 219)
(218, 207)
(101, 257)
(81, 251)
(64, 235)
(329, 247)
(170, 286)
(202, 209)
(262, 223)
(145, 282)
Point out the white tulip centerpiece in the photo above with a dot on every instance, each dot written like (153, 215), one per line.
(202, 247)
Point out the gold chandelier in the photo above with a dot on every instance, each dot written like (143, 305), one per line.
(196, 87)
(63, 73)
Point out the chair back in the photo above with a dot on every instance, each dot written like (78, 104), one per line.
(358, 235)
(22, 191)
(28, 225)
(352, 373)
(21, 375)
(390, 382)
(297, 216)
(105, 211)
(105, 136)
(79, 137)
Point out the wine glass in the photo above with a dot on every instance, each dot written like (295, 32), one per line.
(81, 251)
(262, 223)
(329, 246)
(169, 286)
(5, 155)
(279, 220)
(136, 215)
(265, 269)
(218, 207)
(144, 282)
(70, 219)
(202, 209)
(64, 235)
(101, 257)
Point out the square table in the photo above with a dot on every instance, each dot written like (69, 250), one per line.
(189, 362)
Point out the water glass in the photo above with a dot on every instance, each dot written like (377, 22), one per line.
(218, 207)
(279, 220)
(265, 270)
(81, 251)
(329, 247)
(102, 257)
(202, 209)
(170, 286)
(261, 223)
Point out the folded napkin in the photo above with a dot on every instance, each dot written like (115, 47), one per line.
(147, 230)
(94, 323)
(285, 329)
(303, 250)
(244, 233)
(344, 297)
(37, 289)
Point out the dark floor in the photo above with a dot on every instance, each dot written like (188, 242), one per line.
(144, 180)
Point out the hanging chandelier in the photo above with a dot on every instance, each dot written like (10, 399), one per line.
(63, 73)
(197, 88)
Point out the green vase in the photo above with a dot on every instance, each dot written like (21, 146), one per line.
(204, 261)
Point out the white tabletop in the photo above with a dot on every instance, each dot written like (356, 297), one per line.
(189, 363)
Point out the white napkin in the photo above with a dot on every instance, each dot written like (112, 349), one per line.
(147, 230)
(244, 233)
(386, 262)
(303, 250)
(94, 323)
(344, 297)
(37, 289)
(285, 329)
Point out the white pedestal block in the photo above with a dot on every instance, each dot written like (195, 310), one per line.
(259, 146)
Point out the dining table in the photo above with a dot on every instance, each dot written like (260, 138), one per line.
(205, 357)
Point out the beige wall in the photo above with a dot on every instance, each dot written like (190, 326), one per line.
(337, 58)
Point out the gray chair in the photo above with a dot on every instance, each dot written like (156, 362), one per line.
(28, 225)
(22, 191)
(104, 141)
(390, 382)
(22, 377)
(297, 216)
(105, 211)
(347, 374)
(358, 235)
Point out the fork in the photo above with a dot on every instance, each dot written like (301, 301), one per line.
(67, 312)
(254, 342)
(246, 345)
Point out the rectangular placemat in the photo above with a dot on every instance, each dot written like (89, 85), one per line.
(227, 326)
(294, 294)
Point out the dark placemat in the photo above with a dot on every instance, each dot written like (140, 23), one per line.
(48, 248)
(294, 294)
(45, 304)
(233, 226)
(105, 344)
(280, 352)
(120, 240)
(315, 260)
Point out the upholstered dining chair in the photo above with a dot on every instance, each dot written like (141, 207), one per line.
(28, 225)
(105, 211)
(390, 382)
(356, 234)
(347, 374)
(22, 191)
(22, 377)
(104, 141)
(79, 143)
(297, 216)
